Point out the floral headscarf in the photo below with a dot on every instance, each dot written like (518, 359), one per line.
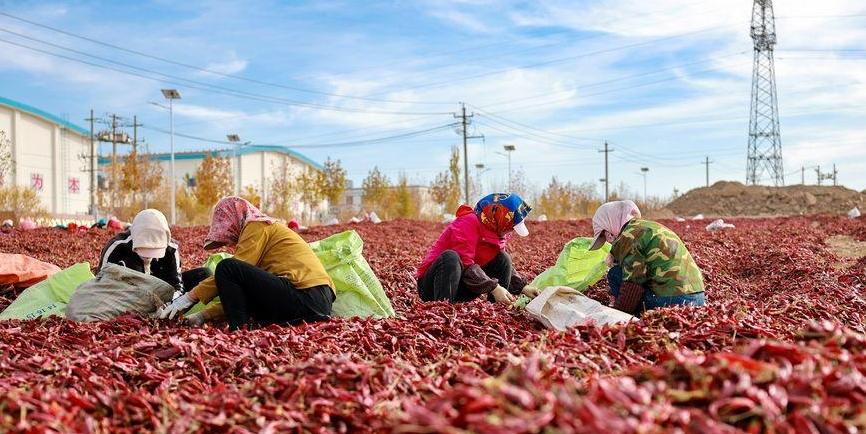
(230, 215)
(501, 212)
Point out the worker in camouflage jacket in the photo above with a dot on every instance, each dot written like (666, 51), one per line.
(651, 266)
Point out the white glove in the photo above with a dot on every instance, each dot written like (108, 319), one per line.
(171, 310)
(196, 319)
(531, 291)
(501, 295)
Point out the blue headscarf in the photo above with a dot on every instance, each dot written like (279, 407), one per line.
(500, 212)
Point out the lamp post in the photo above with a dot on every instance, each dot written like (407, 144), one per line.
(236, 139)
(171, 95)
(508, 150)
(643, 171)
(480, 169)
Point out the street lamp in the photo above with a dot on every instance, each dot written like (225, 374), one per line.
(480, 169)
(236, 139)
(509, 149)
(171, 95)
(643, 171)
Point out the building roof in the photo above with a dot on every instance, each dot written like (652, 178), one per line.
(251, 149)
(44, 115)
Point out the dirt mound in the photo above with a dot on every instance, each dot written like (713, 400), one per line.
(727, 198)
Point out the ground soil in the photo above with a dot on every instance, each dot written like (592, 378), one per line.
(727, 199)
(847, 249)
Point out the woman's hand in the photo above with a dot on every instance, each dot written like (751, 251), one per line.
(501, 295)
(531, 291)
(179, 304)
(197, 319)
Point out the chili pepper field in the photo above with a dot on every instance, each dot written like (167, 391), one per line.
(780, 348)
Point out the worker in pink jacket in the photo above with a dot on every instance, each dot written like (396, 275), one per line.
(468, 260)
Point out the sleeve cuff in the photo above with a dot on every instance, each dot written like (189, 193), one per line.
(517, 284)
(477, 281)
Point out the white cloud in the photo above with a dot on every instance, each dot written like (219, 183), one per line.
(228, 67)
(461, 19)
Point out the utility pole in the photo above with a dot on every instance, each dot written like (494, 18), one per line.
(93, 205)
(113, 163)
(818, 174)
(606, 179)
(464, 122)
(135, 126)
(707, 163)
(802, 175)
(508, 150)
(835, 172)
(643, 171)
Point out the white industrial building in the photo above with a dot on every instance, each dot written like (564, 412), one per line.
(259, 165)
(49, 156)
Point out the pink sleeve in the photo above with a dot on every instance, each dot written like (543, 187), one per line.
(465, 237)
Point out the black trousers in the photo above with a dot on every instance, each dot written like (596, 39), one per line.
(444, 279)
(191, 278)
(249, 294)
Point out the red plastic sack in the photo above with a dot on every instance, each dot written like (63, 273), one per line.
(23, 271)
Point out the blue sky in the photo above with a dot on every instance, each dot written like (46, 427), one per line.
(665, 82)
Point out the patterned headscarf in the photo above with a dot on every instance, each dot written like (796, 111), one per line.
(500, 212)
(230, 215)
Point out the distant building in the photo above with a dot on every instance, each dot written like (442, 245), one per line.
(259, 165)
(49, 156)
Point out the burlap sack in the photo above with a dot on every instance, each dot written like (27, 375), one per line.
(117, 290)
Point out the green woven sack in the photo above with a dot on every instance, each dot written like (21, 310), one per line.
(210, 263)
(577, 267)
(50, 296)
(359, 292)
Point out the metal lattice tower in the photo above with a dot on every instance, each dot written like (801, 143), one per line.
(765, 142)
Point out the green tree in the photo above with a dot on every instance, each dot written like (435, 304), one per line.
(377, 189)
(445, 189)
(251, 194)
(282, 192)
(567, 201)
(404, 204)
(141, 180)
(332, 181)
(309, 187)
(213, 180)
(18, 202)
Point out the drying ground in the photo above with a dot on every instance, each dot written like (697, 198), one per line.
(779, 348)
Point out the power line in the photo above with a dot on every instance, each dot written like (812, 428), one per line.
(558, 60)
(319, 145)
(201, 85)
(206, 70)
(614, 80)
(604, 92)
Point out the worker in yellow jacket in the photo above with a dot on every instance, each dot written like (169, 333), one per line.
(274, 277)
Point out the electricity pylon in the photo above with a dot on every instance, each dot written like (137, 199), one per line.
(765, 143)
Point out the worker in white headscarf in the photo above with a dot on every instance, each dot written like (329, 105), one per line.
(147, 247)
(652, 267)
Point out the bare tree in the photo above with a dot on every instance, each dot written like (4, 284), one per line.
(5, 158)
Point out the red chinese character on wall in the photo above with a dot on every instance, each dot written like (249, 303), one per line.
(74, 185)
(36, 182)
